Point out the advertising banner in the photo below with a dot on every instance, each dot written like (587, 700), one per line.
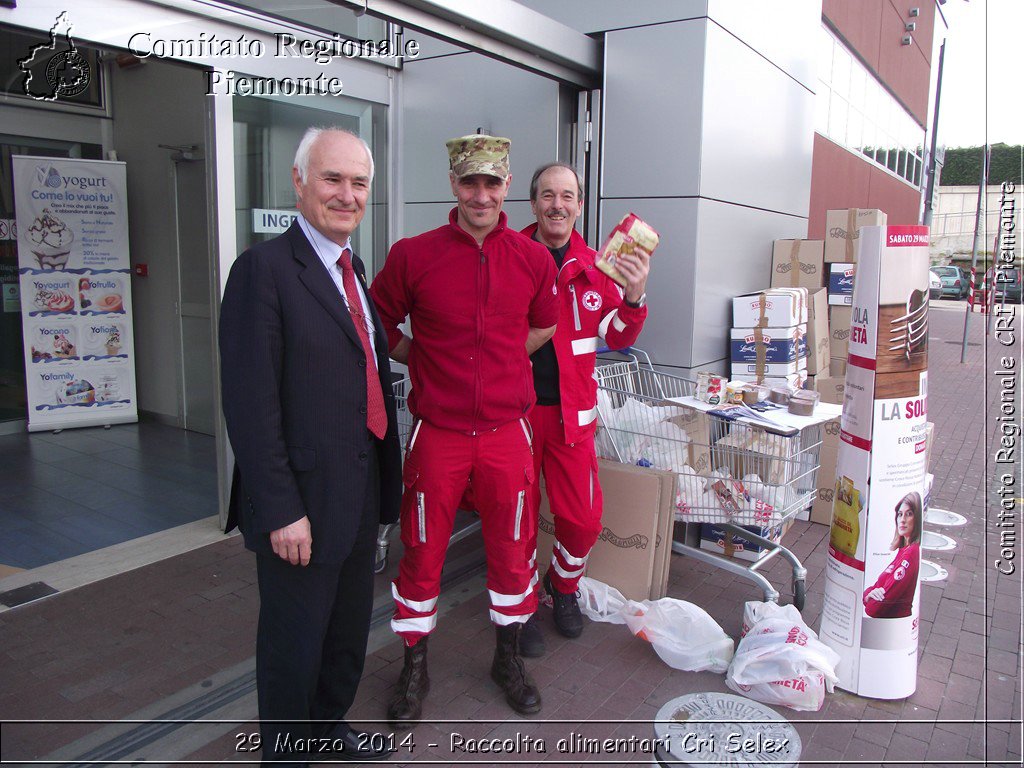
(870, 612)
(75, 280)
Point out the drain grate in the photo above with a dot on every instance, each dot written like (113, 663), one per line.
(12, 598)
(704, 729)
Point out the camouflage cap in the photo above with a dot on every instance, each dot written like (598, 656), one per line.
(478, 153)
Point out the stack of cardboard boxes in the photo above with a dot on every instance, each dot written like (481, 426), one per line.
(826, 269)
(768, 342)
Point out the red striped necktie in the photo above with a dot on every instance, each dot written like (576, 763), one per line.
(376, 415)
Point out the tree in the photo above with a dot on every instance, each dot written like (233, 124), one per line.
(962, 166)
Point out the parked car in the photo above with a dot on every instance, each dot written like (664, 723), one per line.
(956, 282)
(1007, 286)
(934, 286)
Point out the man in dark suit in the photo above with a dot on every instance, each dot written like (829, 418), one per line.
(311, 417)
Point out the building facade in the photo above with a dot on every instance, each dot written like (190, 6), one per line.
(724, 123)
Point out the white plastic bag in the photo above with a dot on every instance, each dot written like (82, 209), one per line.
(684, 636)
(780, 660)
(600, 602)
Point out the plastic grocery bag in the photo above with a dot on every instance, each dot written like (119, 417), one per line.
(684, 636)
(780, 660)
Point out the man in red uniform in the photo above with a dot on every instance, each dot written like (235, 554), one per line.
(481, 298)
(595, 312)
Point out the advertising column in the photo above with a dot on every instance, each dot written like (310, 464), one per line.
(870, 612)
(75, 292)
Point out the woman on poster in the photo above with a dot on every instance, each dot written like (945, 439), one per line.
(892, 595)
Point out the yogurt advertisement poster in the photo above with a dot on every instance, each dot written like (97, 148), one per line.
(75, 275)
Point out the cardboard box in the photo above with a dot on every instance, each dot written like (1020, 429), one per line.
(798, 264)
(842, 230)
(664, 537)
(772, 308)
(793, 379)
(837, 367)
(716, 539)
(825, 481)
(768, 345)
(698, 429)
(840, 284)
(758, 373)
(818, 347)
(839, 330)
(639, 510)
(770, 456)
(831, 388)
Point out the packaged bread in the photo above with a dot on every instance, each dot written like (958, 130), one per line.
(632, 231)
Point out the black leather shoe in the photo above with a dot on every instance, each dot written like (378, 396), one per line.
(344, 743)
(413, 687)
(568, 619)
(531, 639)
(509, 672)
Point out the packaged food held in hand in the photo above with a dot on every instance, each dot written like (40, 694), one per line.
(629, 233)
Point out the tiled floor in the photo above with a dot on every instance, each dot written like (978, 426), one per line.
(84, 489)
(178, 636)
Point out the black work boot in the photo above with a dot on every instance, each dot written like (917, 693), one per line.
(568, 619)
(531, 639)
(412, 689)
(509, 672)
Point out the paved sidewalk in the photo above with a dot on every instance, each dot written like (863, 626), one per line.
(176, 640)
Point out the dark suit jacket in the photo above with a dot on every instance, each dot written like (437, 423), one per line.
(293, 381)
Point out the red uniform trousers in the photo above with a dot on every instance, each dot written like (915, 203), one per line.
(438, 465)
(574, 494)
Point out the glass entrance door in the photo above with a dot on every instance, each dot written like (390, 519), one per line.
(12, 351)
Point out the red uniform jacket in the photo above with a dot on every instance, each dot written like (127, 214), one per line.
(591, 315)
(471, 309)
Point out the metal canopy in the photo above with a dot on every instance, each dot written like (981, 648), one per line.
(501, 29)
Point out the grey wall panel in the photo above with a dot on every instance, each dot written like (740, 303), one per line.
(783, 31)
(590, 16)
(654, 77)
(668, 332)
(734, 251)
(453, 96)
(758, 133)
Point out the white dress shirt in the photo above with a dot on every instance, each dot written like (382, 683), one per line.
(329, 253)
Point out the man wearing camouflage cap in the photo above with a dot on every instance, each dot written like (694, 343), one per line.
(481, 298)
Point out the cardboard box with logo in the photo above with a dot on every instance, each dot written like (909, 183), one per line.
(819, 348)
(772, 308)
(828, 453)
(842, 229)
(768, 345)
(840, 284)
(714, 538)
(839, 330)
(831, 388)
(798, 264)
(633, 550)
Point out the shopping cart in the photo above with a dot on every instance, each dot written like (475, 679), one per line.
(402, 387)
(732, 472)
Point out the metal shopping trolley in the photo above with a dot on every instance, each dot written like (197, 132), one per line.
(402, 388)
(735, 468)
